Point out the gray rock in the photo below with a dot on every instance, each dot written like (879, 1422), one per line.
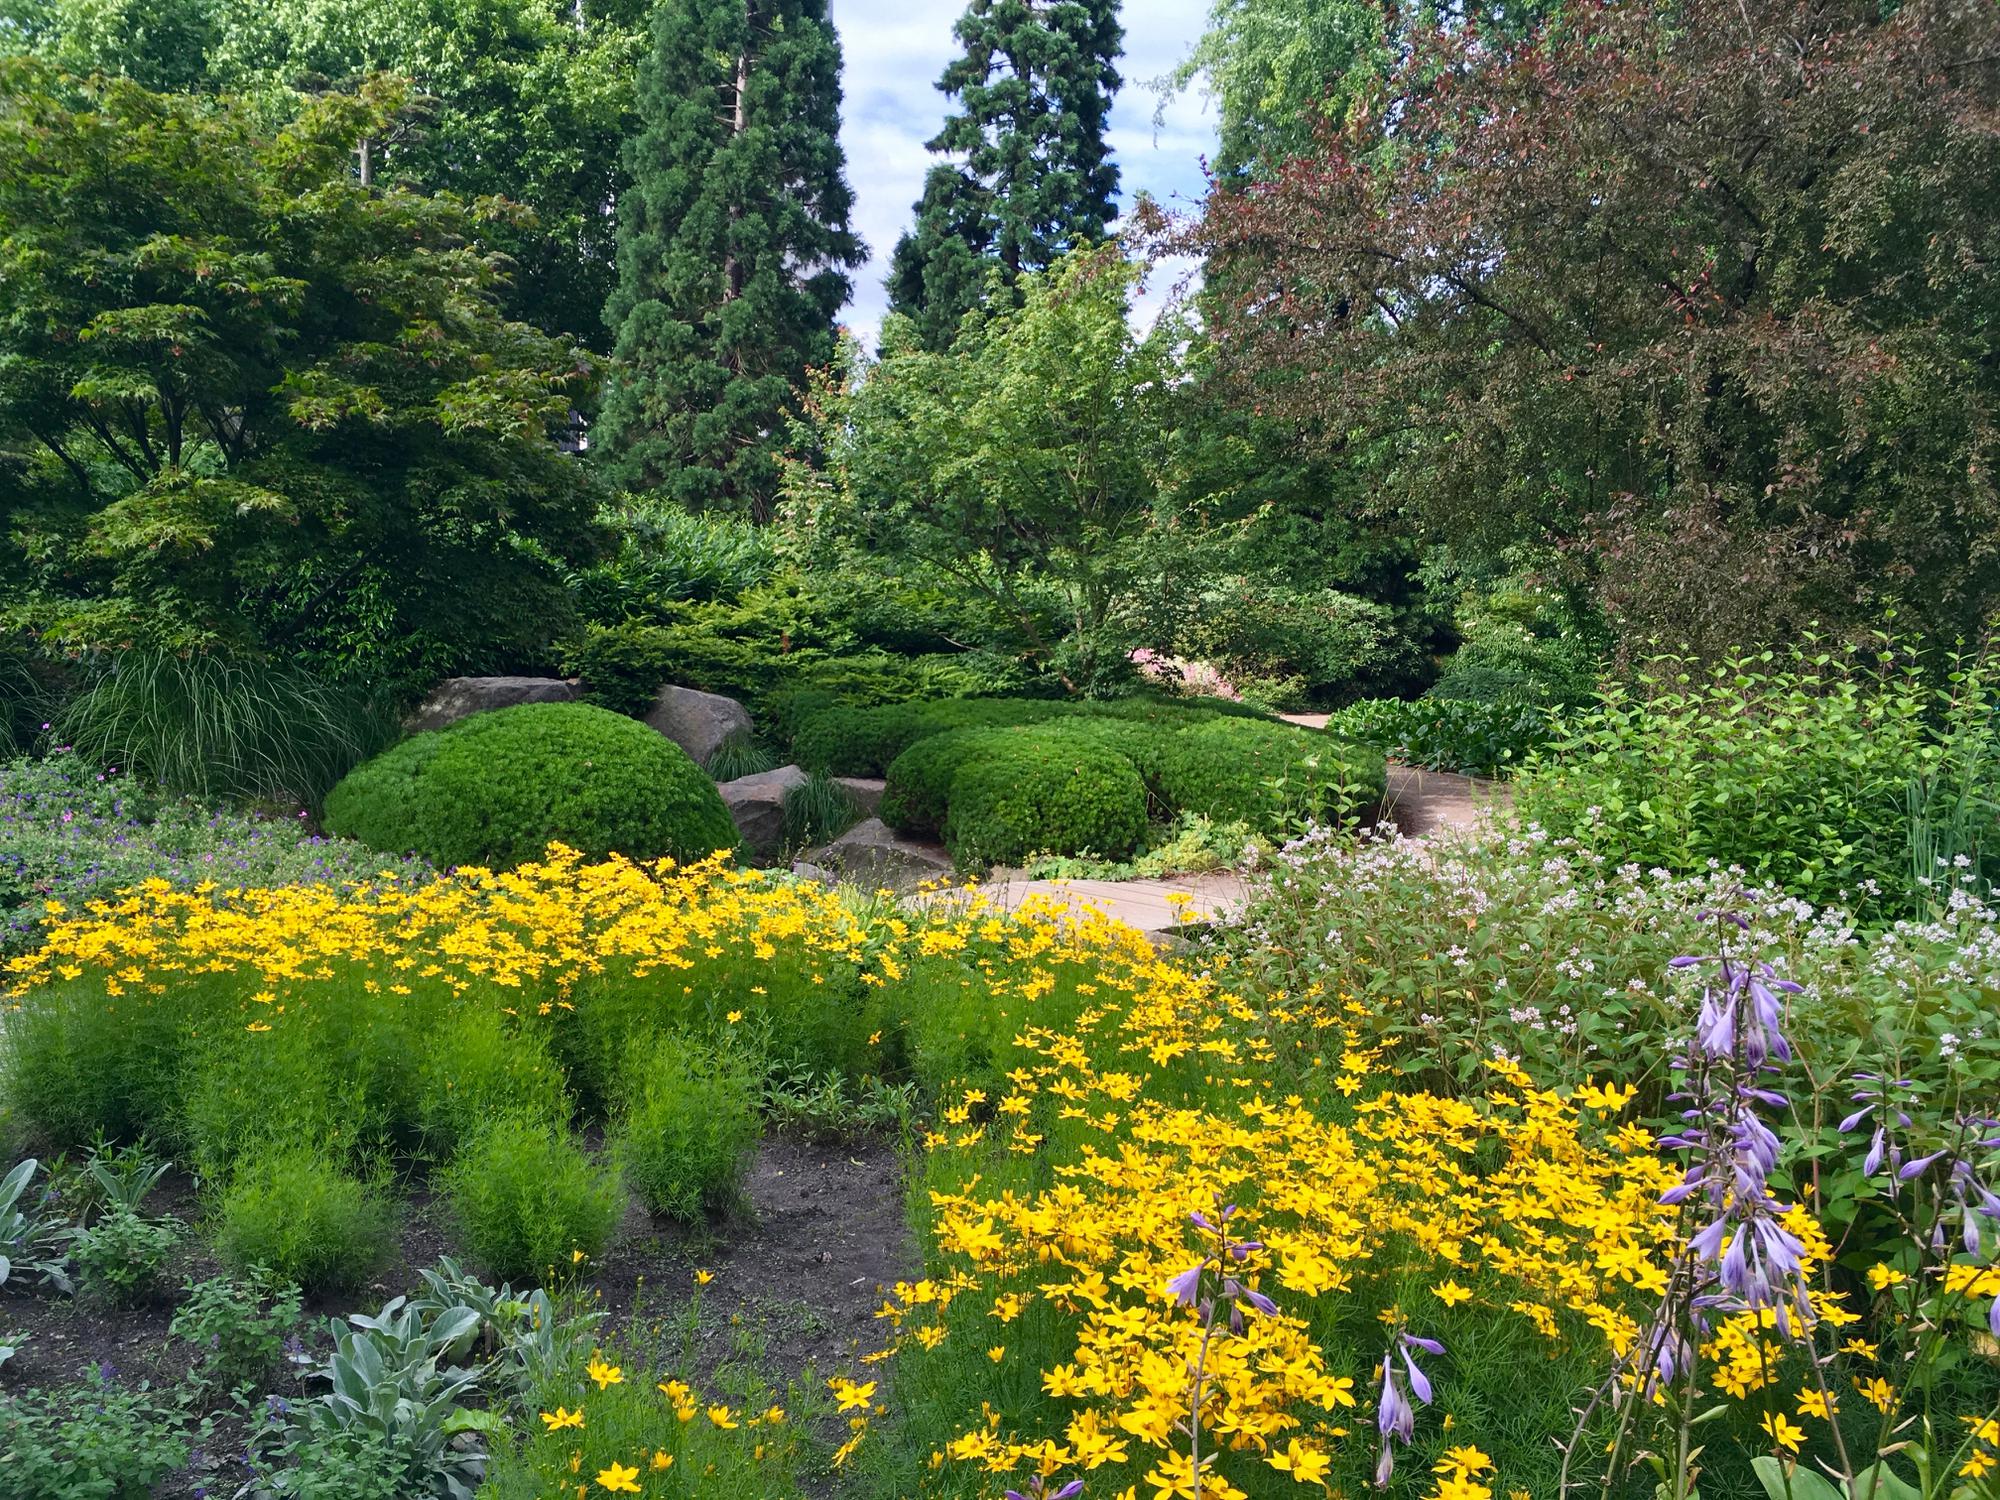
(697, 722)
(461, 697)
(865, 790)
(873, 855)
(757, 803)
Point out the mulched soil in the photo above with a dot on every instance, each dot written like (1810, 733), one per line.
(798, 1273)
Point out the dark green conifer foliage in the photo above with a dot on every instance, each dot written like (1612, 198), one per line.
(1029, 174)
(733, 248)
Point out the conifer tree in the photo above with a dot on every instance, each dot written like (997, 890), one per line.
(733, 248)
(1029, 174)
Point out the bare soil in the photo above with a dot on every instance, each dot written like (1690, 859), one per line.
(797, 1273)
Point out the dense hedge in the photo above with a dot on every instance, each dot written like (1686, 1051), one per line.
(1225, 766)
(1043, 791)
(1267, 775)
(496, 788)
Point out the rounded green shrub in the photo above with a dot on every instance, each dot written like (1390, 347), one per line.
(1269, 776)
(688, 1127)
(528, 1199)
(303, 1219)
(495, 789)
(917, 794)
(1043, 792)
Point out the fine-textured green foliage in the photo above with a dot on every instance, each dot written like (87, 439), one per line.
(740, 755)
(1475, 736)
(480, 1064)
(496, 788)
(1862, 775)
(1272, 777)
(527, 1200)
(667, 555)
(304, 1218)
(1043, 791)
(259, 406)
(688, 1126)
(206, 725)
(733, 248)
(1332, 645)
(1039, 456)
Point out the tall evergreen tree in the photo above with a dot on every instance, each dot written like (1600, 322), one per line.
(733, 248)
(1030, 175)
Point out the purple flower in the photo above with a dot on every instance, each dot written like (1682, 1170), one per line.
(1186, 1287)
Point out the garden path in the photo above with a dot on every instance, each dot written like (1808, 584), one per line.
(1418, 802)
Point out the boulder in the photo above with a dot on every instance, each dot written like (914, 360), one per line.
(697, 722)
(461, 697)
(873, 855)
(865, 790)
(757, 803)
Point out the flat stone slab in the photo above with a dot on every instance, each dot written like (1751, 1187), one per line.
(865, 790)
(873, 855)
(1421, 802)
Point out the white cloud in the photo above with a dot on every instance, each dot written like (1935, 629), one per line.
(894, 51)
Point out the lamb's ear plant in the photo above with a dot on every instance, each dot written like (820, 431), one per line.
(34, 1237)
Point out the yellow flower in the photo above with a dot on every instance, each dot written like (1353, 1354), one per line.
(1305, 1465)
(850, 1395)
(619, 1480)
(703, 1278)
(1450, 1293)
(1881, 1277)
(1785, 1433)
(563, 1417)
(723, 1418)
(1462, 1461)
(662, 1459)
(735, 1016)
(605, 1375)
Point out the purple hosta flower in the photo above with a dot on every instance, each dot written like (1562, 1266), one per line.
(1185, 1287)
(1038, 1489)
(1395, 1417)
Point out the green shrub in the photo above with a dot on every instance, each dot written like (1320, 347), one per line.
(917, 792)
(688, 1126)
(1044, 792)
(212, 726)
(1272, 777)
(1332, 646)
(666, 555)
(236, 1327)
(479, 1065)
(94, 1441)
(1858, 776)
(120, 1257)
(302, 1217)
(496, 788)
(528, 1200)
(1443, 734)
(76, 1065)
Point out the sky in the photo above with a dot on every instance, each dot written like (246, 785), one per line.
(895, 50)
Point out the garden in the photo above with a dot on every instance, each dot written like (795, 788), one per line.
(542, 777)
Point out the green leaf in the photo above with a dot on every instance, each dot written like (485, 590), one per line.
(1801, 1484)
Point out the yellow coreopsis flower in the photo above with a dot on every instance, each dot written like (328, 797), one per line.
(619, 1479)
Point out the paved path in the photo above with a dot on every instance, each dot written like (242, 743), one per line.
(1418, 803)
